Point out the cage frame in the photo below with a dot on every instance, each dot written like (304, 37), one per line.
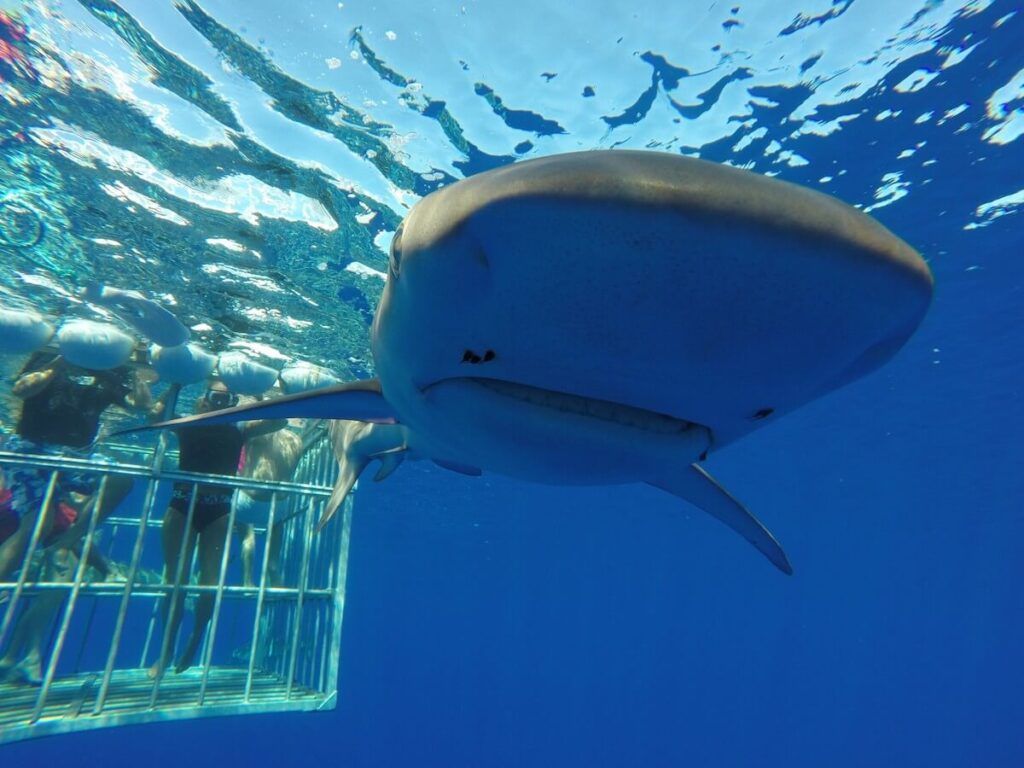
(116, 696)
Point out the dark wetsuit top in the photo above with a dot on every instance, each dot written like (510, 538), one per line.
(213, 450)
(67, 411)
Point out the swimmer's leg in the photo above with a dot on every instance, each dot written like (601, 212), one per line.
(15, 649)
(274, 566)
(117, 488)
(177, 542)
(13, 550)
(23, 662)
(211, 549)
(247, 533)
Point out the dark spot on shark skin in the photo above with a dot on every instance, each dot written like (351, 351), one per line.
(764, 413)
(469, 356)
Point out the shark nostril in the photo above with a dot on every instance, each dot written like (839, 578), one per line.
(764, 413)
(469, 356)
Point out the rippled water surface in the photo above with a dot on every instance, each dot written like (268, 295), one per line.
(247, 163)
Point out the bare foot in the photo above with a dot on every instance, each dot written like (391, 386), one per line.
(188, 655)
(157, 670)
(23, 673)
(32, 669)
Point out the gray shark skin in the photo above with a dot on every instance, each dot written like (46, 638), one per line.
(612, 317)
(356, 444)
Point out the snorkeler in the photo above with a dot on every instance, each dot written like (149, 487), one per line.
(60, 414)
(212, 449)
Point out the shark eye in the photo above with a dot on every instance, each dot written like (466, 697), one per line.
(395, 262)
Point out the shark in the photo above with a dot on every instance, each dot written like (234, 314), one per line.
(616, 316)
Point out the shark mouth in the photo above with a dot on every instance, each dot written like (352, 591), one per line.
(626, 415)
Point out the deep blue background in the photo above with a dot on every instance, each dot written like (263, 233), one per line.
(494, 623)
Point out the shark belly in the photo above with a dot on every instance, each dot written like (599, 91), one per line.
(550, 437)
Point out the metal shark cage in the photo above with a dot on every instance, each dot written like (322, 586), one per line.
(271, 646)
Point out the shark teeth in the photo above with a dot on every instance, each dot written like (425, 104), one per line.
(627, 415)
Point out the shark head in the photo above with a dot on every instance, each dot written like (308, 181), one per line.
(666, 284)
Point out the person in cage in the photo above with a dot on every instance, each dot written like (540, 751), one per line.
(269, 457)
(61, 409)
(211, 449)
(56, 561)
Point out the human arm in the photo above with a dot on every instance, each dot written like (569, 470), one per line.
(157, 409)
(251, 429)
(140, 398)
(313, 430)
(34, 382)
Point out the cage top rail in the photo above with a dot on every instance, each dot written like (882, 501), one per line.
(60, 462)
(139, 448)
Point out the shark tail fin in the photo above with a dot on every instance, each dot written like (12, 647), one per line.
(697, 487)
(356, 401)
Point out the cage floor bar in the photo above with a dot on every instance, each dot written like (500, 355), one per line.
(71, 700)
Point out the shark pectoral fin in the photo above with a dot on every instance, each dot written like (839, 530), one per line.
(462, 469)
(389, 461)
(700, 489)
(348, 473)
(355, 401)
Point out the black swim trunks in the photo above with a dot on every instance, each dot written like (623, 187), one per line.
(209, 506)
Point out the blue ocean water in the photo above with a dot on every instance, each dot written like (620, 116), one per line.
(248, 163)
